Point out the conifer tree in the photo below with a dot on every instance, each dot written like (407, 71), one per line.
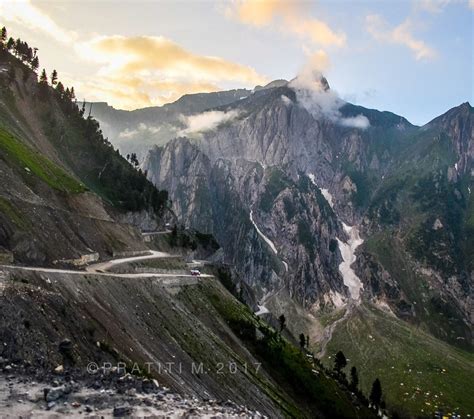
(376, 393)
(35, 64)
(282, 321)
(10, 44)
(302, 341)
(339, 361)
(3, 36)
(54, 78)
(43, 77)
(354, 378)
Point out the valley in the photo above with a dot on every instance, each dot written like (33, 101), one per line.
(269, 252)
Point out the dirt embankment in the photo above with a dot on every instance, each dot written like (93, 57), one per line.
(57, 320)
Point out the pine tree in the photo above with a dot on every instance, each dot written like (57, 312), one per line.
(10, 44)
(35, 64)
(3, 36)
(60, 89)
(339, 361)
(376, 393)
(54, 78)
(43, 77)
(302, 341)
(282, 321)
(354, 378)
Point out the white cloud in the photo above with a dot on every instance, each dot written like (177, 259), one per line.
(314, 94)
(290, 16)
(432, 6)
(359, 121)
(401, 35)
(142, 129)
(206, 121)
(286, 100)
(24, 13)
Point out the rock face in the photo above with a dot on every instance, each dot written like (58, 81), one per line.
(301, 176)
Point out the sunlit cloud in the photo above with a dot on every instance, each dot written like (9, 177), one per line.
(156, 54)
(290, 16)
(24, 13)
(401, 35)
(153, 70)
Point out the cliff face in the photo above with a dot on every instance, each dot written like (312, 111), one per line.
(276, 183)
(276, 230)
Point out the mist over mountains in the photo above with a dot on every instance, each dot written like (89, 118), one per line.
(275, 227)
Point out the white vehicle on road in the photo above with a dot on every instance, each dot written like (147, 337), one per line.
(195, 272)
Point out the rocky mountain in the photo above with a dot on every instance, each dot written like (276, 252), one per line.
(323, 206)
(136, 333)
(279, 182)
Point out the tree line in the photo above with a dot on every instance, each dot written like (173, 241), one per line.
(119, 180)
(375, 400)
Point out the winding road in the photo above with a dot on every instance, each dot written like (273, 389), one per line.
(100, 268)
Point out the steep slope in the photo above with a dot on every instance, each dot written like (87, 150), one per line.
(64, 189)
(190, 334)
(310, 184)
(274, 153)
(420, 220)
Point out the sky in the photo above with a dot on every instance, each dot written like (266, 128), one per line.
(411, 57)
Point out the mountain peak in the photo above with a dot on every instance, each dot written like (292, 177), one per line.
(272, 84)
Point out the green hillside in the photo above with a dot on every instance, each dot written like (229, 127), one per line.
(419, 373)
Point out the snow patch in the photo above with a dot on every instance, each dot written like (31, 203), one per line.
(325, 192)
(267, 240)
(334, 297)
(262, 310)
(351, 280)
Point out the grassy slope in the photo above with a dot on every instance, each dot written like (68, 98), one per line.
(29, 162)
(419, 373)
(314, 394)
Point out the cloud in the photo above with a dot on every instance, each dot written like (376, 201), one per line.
(145, 54)
(359, 121)
(142, 129)
(313, 93)
(437, 6)
(153, 70)
(432, 6)
(206, 121)
(290, 16)
(24, 13)
(286, 100)
(401, 35)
